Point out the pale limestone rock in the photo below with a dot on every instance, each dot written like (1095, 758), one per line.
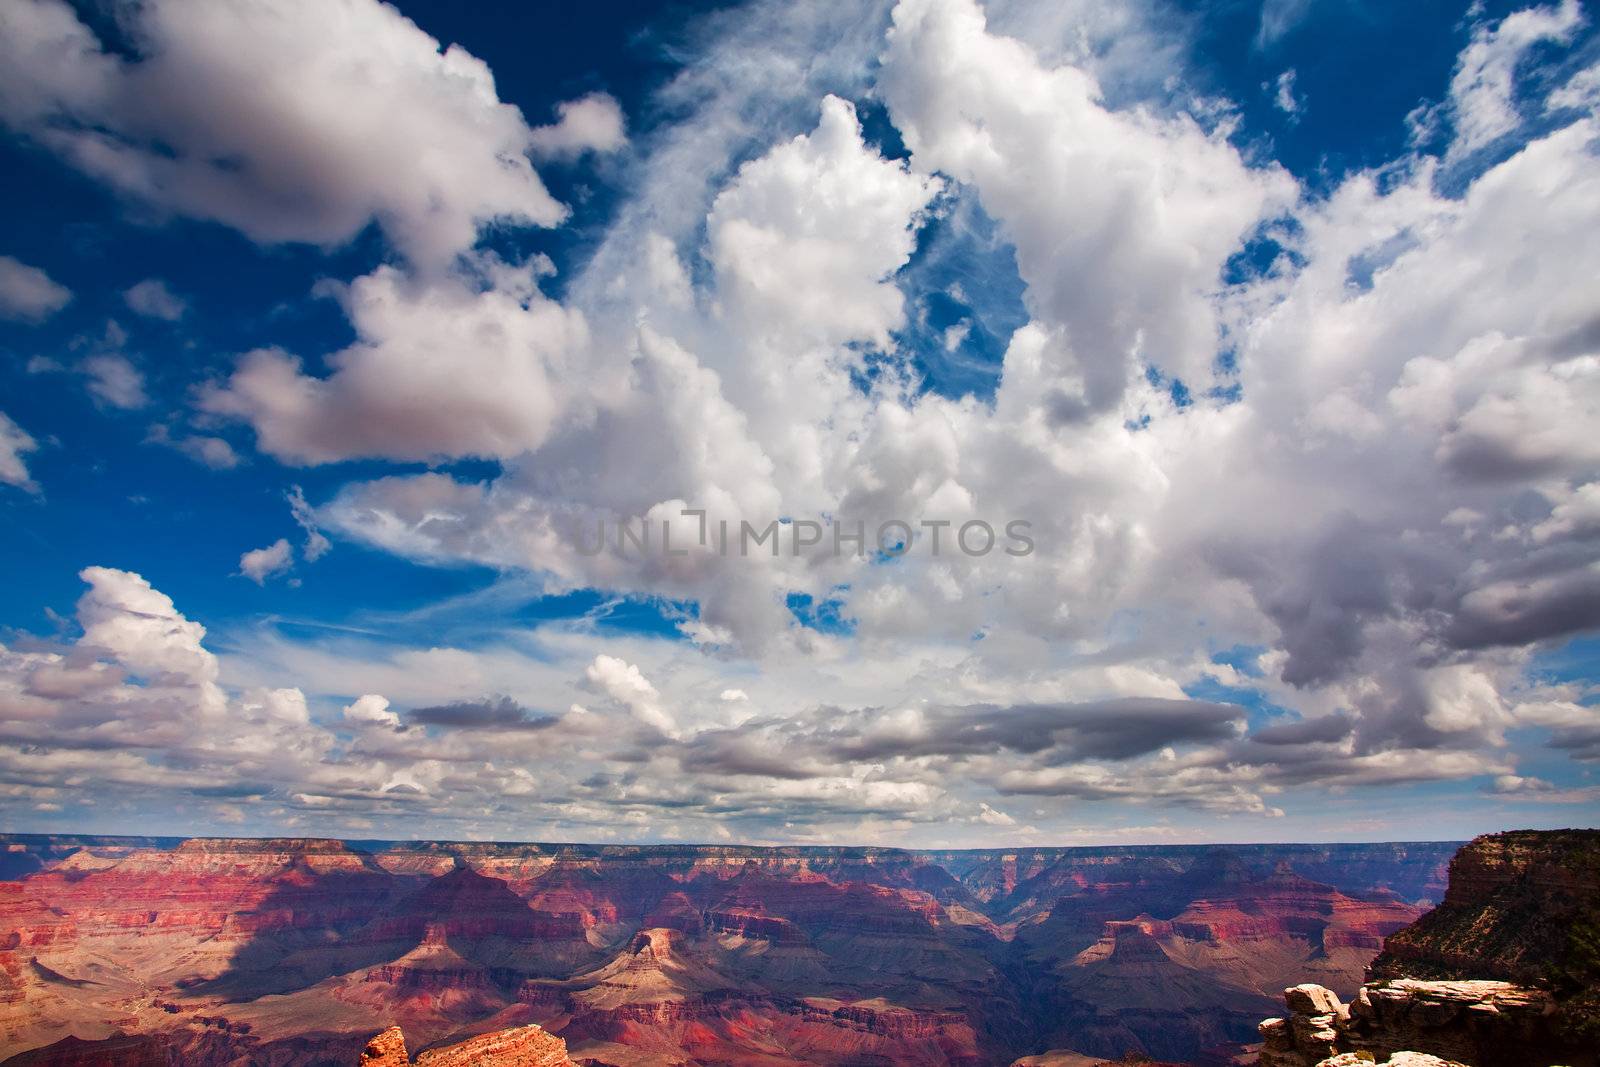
(1312, 999)
(1418, 1024)
(1399, 1059)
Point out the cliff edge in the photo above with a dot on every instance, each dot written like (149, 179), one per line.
(1504, 973)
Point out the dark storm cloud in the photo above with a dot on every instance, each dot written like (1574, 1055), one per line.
(1321, 601)
(1579, 742)
(1328, 728)
(1489, 459)
(233, 791)
(1522, 612)
(491, 713)
(1114, 729)
(1107, 729)
(748, 750)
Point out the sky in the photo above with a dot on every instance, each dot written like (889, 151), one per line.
(341, 341)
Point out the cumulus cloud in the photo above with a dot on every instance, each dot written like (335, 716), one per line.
(259, 564)
(27, 294)
(440, 369)
(623, 683)
(804, 241)
(135, 706)
(590, 123)
(302, 123)
(114, 381)
(15, 443)
(141, 630)
(1379, 470)
(153, 299)
(1122, 220)
(371, 709)
(1393, 364)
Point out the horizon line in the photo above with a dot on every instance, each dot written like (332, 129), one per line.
(506, 842)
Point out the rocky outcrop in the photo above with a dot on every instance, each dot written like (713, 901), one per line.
(1522, 907)
(523, 1046)
(388, 1049)
(1399, 1059)
(1484, 1024)
(1505, 972)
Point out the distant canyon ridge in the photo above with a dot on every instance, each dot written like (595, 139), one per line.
(290, 953)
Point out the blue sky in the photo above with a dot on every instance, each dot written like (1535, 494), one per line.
(1175, 283)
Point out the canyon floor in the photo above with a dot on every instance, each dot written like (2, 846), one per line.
(296, 952)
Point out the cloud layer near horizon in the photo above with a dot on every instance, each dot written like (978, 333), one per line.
(1380, 478)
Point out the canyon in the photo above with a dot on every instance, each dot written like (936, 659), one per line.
(297, 952)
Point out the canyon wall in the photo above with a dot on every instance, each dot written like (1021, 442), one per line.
(296, 952)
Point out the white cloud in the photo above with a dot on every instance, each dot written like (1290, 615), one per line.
(142, 630)
(259, 564)
(316, 543)
(1482, 92)
(27, 294)
(590, 123)
(1278, 17)
(213, 452)
(298, 122)
(153, 299)
(1581, 91)
(115, 381)
(1122, 220)
(1392, 495)
(1283, 97)
(371, 709)
(805, 238)
(622, 682)
(440, 369)
(15, 442)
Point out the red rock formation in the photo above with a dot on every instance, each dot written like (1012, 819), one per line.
(388, 1049)
(285, 952)
(523, 1046)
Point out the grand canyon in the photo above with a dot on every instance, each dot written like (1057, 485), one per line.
(296, 952)
(940, 495)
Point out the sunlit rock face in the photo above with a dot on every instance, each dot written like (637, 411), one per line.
(294, 952)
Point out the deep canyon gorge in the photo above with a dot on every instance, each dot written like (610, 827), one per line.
(296, 952)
